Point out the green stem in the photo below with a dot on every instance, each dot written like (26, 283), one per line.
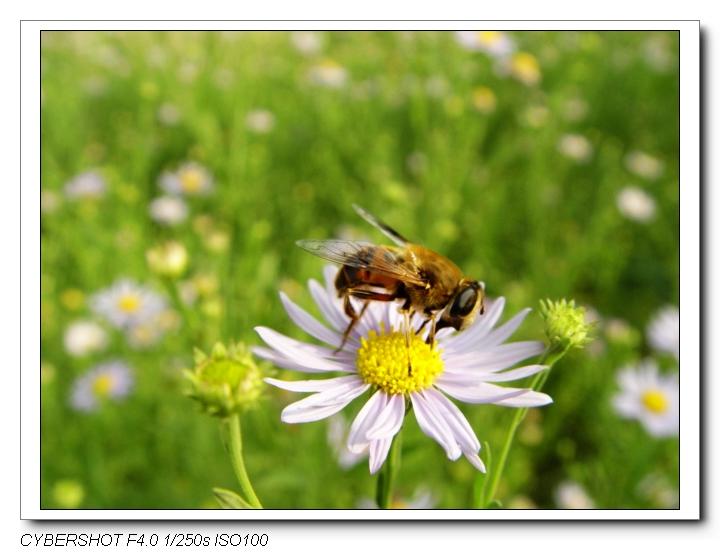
(386, 478)
(548, 358)
(235, 441)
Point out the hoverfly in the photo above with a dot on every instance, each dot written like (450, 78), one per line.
(428, 282)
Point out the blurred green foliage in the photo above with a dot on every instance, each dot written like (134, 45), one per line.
(480, 178)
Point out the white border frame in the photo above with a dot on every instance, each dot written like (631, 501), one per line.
(689, 274)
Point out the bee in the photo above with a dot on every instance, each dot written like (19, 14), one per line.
(429, 283)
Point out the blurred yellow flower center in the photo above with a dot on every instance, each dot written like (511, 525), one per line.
(386, 361)
(655, 401)
(191, 180)
(489, 37)
(129, 303)
(103, 385)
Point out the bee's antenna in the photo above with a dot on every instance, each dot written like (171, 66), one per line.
(386, 229)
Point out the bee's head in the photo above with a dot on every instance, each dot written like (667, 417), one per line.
(467, 302)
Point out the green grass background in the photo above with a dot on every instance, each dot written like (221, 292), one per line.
(494, 194)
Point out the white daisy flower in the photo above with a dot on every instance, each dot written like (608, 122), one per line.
(664, 331)
(88, 185)
(329, 73)
(261, 121)
(636, 204)
(126, 304)
(168, 210)
(375, 359)
(190, 178)
(576, 147)
(169, 114)
(494, 43)
(644, 165)
(84, 337)
(307, 42)
(570, 495)
(110, 380)
(649, 397)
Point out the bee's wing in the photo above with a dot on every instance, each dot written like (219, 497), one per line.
(357, 254)
(386, 229)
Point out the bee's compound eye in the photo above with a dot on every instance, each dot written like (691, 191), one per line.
(464, 302)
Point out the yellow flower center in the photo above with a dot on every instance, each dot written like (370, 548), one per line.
(103, 385)
(489, 37)
(129, 303)
(397, 365)
(655, 401)
(191, 180)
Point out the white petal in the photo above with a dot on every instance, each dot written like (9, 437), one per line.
(390, 419)
(307, 386)
(480, 393)
(471, 375)
(309, 324)
(327, 307)
(496, 359)
(482, 325)
(378, 453)
(433, 425)
(320, 405)
(281, 361)
(529, 399)
(501, 334)
(311, 414)
(308, 355)
(456, 420)
(357, 442)
(348, 387)
(475, 461)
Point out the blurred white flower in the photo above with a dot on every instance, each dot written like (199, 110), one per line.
(127, 303)
(636, 204)
(189, 178)
(338, 430)
(437, 86)
(260, 121)
(84, 337)
(644, 165)
(524, 67)
(88, 185)
(575, 146)
(168, 210)
(656, 489)
(329, 73)
(575, 109)
(649, 397)
(307, 42)
(150, 332)
(664, 331)
(49, 201)
(168, 114)
(570, 495)
(169, 259)
(494, 43)
(422, 499)
(110, 380)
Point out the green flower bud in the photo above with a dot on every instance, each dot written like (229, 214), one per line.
(226, 382)
(565, 324)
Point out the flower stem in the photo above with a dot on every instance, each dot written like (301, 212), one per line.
(236, 458)
(548, 358)
(386, 478)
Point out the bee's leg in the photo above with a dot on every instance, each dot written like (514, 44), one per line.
(366, 295)
(425, 322)
(354, 318)
(431, 336)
